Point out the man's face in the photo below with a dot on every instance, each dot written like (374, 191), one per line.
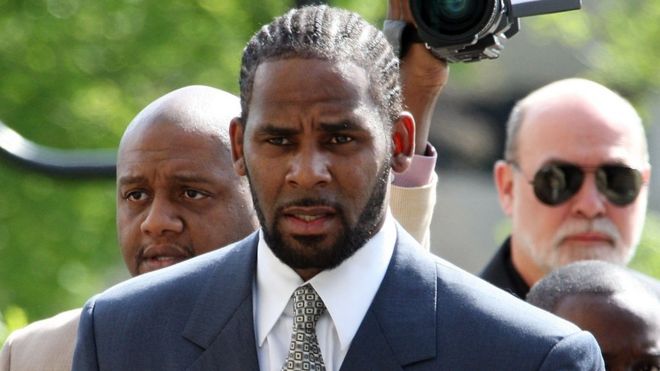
(316, 153)
(177, 197)
(626, 326)
(587, 225)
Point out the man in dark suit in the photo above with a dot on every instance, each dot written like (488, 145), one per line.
(330, 281)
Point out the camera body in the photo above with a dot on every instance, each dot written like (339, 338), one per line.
(472, 30)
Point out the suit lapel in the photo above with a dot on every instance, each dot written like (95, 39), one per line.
(221, 322)
(400, 326)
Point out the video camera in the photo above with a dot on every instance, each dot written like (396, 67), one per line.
(472, 30)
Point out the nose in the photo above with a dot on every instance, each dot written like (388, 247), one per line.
(308, 168)
(162, 217)
(589, 202)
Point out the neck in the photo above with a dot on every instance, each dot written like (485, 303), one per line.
(308, 273)
(525, 265)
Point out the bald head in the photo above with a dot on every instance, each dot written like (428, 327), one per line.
(194, 109)
(570, 96)
(177, 192)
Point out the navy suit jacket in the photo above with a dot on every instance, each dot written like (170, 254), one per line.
(426, 315)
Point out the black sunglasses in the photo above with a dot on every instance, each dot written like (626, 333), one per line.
(555, 183)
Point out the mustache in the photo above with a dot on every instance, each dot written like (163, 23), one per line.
(310, 202)
(599, 225)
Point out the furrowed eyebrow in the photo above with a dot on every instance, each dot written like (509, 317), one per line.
(340, 126)
(271, 129)
(191, 179)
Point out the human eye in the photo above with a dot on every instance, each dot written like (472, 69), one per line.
(340, 139)
(135, 195)
(279, 141)
(194, 194)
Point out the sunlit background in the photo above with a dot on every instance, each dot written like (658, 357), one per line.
(73, 73)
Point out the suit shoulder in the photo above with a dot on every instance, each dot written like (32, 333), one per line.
(495, 301)
(53, 327)
(486, 317)
(184, 278)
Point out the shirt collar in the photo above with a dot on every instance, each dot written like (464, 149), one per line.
(346, 290)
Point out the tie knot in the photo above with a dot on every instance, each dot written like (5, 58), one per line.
(308, 307)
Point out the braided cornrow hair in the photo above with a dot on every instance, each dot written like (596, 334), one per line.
(332, 34)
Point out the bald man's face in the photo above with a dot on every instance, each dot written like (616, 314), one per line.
(587, 225)
(626, 326)
(177, 197)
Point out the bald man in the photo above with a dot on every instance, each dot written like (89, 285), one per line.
(574, 181)
(611, 303)
(177, 197)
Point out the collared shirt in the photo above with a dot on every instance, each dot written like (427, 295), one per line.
(346, 290)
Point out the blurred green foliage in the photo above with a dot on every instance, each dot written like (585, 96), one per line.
(73, 73)
(647, 257)
(12, 319)
(617, 40)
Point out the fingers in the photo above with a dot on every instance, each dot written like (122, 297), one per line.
(394, 10)
(399, 10)
(406, 12)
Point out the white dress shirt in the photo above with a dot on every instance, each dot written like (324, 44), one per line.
(346, 290)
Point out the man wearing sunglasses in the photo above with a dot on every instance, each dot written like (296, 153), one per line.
(574, 182)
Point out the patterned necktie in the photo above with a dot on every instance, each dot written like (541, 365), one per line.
(304, 351)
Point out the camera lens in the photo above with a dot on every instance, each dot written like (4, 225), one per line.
(453, 9)
(454, 17)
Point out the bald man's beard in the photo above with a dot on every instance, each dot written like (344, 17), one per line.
(549, 258)
(352, 237)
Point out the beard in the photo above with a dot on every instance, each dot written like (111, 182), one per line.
(555, 255)
(307, 253)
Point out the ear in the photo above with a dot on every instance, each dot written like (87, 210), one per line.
(646, 174)
(236, 131)
(503, 177)
(403, 142)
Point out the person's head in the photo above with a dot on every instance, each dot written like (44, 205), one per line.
(574, 179)
(608, 301)
(321, 127)
(177, 193)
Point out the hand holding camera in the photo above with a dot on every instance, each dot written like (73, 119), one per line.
(470, 30)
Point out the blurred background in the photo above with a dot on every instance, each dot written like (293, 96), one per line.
(73, 73)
